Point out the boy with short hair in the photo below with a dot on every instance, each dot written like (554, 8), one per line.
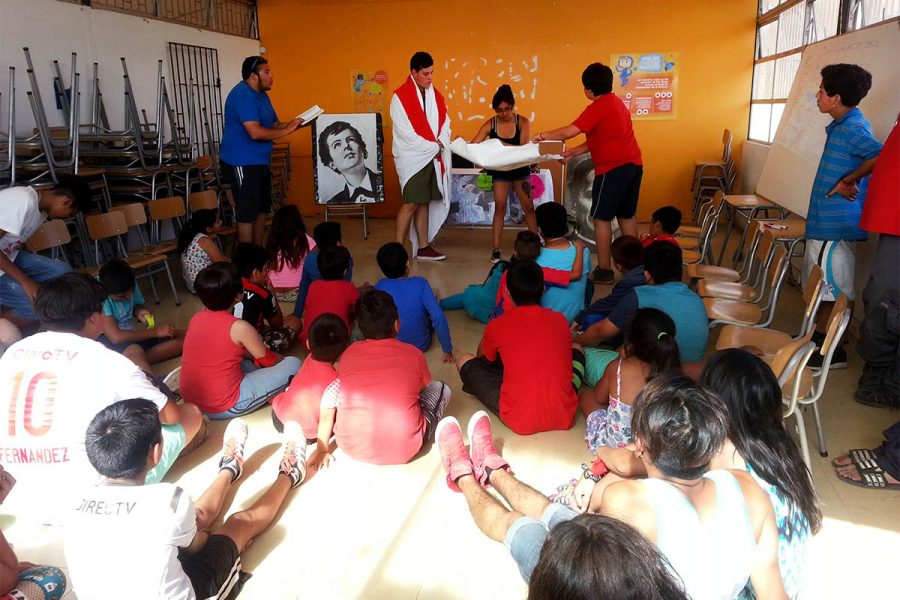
(327, 338)
(420, 314)
(628, 258)
(258, 305)
(126, 539)
(524, 368)
(332, 293)
(70, 376)
(325, 234)
(664, 222)
(122, 306)
(383, 406)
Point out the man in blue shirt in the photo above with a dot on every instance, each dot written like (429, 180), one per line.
(839, 191)
(246, 150)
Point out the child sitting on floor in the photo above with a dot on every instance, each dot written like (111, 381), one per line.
(288, 246)
(665, 221)
(215, 375)
(332, 293)
(478, 299)
(127, 539)
(125, 303)
(326, 339)
(197, 245)
(325, 234)
(420, 313)
(383, 406)
(628, 259)
(258, 305)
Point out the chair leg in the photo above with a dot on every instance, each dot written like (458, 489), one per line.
(823, 449)
(153, 287)
(172, 283)
(801, 433)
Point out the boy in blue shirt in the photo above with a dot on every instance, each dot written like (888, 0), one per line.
(628, 258)
(420, 313)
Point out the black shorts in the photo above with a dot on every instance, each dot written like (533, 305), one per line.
(615, 193)
(252, 189)
(120, 347)
(214, 571)
(483, 378)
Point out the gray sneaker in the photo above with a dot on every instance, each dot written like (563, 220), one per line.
(293, 459)
(233, 448)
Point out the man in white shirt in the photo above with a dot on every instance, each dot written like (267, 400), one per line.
(23, 211)
(52, 384)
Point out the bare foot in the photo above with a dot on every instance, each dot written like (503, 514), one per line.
(852, 473)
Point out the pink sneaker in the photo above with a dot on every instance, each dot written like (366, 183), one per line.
(448, 436)
(481, 448)
(429, 253)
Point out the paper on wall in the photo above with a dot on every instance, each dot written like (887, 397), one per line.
(493, 154)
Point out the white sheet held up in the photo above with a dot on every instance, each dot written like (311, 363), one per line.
(493, 154)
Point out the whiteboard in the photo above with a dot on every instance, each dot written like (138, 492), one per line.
(790, 167)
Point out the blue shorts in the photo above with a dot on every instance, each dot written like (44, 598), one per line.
(526, 537)
(174, 439)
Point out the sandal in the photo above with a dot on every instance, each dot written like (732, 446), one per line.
(871, 480)
(863, 459)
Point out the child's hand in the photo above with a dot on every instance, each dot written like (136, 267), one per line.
(449, 357)
(575, 328)
(165, 331)
(579, 245)
(581, 497)
(320, 460)
(842, 189)
(141, 315)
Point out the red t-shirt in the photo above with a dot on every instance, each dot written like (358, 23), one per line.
(337, 297)
(301, 401)
(535, 346)
(379, 420)
(881, 211)
(211, 363)
(610, 137)
(504, 301)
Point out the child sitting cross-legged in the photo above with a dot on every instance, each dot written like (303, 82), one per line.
(383, 406)
(420, 313)
(628, 259)
(197, 245)
(216, 376)
(124, 539)
(258, 305)
(332, 293)
(326, 339)
(144, 347)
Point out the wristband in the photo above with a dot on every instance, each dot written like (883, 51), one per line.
(266, 360)
(595, 471)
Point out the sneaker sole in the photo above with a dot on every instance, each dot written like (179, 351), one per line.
(470, 428)
(431, 258)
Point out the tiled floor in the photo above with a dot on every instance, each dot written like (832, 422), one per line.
(359, 531)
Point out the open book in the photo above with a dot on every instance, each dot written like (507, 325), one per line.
(310, 113)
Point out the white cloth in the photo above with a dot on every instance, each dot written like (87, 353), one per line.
(51, 385)
(121, 541)
(495, 155)
(412, 153)
(20, 217)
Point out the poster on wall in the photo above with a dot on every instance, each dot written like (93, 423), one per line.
(472, 197)
(647, 83)
(368, 91)
(348, 167)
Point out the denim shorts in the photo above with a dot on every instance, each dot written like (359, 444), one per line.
(526, 536)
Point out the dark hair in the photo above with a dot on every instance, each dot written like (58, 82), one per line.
(287, 244)
(752, 398)
(249, 257)
(669, 218)
(218, 285)
(78, 189)
(328, 337)
(392, 259)
(67, 302)
(527, 245)
(650, 337)
(333, 262)
(420, 60)
(327, 233)
(334, 129)
(504, 93)
(552, 219)
(851, 82)
(525, 281)
(598, 78)
(119, 438)
(682, 425)
(200, 221)
(117, 276)
(376, 314)
(663, 261)
(594, 557)
(627, 251)
(251, 65)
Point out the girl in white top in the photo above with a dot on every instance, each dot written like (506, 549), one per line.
(716, 528)
(197, 246)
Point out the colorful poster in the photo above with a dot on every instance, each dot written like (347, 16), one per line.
(647, 83)
(368, 91)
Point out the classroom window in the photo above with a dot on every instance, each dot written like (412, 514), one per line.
(783, 28)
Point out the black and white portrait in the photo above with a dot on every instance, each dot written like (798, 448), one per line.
(578, 198)
(347, 158)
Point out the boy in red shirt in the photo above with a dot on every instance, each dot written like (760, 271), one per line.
(332, 294)
(618, 166)
(524, 371)
(384, 405)
(664, 222)
(258, 305)
(326, 339)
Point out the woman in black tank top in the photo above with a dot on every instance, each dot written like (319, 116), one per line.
(513, 130)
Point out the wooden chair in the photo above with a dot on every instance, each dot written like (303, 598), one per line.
(53, 235)
(790, 379)
(724, 311)
(111, 226)
(162, 210)
(748, 205)
(771, 340)
(761, 247)
(753, 286)
(708, 231)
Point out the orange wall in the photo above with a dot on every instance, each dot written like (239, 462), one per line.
(314, 45)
